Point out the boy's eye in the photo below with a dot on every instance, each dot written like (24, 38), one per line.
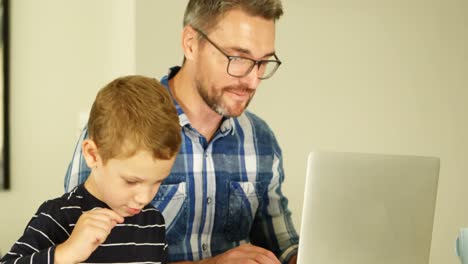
(130, 182)
(157, 183)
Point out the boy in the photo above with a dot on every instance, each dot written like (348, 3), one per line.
(134, 136)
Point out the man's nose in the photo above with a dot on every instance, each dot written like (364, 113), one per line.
(251, 80)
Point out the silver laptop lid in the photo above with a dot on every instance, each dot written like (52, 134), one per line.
(368, 209)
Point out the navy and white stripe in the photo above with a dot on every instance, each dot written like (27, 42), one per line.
(140, 239)
(221, 193)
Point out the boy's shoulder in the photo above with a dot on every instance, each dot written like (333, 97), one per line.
(150, 215)
(69, 204)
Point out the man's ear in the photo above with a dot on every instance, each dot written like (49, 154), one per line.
(189, 42)
(90, 153)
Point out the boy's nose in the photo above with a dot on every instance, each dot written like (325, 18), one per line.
(143, 198)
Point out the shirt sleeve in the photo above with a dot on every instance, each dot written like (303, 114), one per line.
(273, 227)
(78, 171)
(38, 242)
(39, 257)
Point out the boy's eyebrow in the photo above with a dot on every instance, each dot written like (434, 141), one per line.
(136, 178)
(132, 177)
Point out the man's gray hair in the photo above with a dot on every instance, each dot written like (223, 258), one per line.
(205, 14)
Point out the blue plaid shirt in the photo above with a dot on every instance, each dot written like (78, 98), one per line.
(220, 194)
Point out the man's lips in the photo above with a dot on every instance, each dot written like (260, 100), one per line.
(242, 94)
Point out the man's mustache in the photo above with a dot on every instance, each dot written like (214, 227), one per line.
(239, 89)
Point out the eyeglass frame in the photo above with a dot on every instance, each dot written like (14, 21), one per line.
(230, 58)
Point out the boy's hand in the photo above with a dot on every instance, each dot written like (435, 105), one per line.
(91, 229)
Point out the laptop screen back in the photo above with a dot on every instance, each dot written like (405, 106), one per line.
(368, 208)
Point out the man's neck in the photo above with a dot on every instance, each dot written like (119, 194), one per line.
(201, 116)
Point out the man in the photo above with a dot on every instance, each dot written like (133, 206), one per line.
(222, 201)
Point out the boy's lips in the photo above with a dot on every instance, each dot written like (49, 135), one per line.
(133, 211)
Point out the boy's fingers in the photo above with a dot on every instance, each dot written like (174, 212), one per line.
(109, 214)
(103, 219)
(113, 215)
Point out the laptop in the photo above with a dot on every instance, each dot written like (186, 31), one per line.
(362, 208)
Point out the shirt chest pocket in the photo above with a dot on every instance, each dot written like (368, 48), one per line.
(243, 204)
(171, 200)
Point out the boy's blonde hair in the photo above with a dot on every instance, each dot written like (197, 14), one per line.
(133, 113)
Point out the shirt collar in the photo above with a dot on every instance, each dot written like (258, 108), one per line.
(227, 123)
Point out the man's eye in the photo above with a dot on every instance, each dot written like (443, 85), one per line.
(239, 60)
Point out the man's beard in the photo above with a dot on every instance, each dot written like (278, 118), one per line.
(215, 101)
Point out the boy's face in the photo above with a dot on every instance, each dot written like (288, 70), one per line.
(127, 185)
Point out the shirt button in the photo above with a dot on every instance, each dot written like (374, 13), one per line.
(208, 200)
(204, 247)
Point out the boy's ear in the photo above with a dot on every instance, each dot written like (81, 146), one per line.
(90, 153)
(189, 42)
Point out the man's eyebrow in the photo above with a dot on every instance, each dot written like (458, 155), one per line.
(248, 52)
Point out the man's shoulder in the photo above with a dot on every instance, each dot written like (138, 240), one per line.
(259, 131)
(258, 125)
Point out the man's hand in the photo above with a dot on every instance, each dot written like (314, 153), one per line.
(293, 259)
(91, 229)
(244, 254)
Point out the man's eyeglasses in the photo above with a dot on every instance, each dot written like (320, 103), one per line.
(240, 66)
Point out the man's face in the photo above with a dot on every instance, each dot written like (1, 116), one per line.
(237, 34)
(127, 185)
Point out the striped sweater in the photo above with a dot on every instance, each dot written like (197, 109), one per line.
(141, 238)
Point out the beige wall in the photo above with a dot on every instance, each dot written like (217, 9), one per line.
(367, 77)
(62, 52)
